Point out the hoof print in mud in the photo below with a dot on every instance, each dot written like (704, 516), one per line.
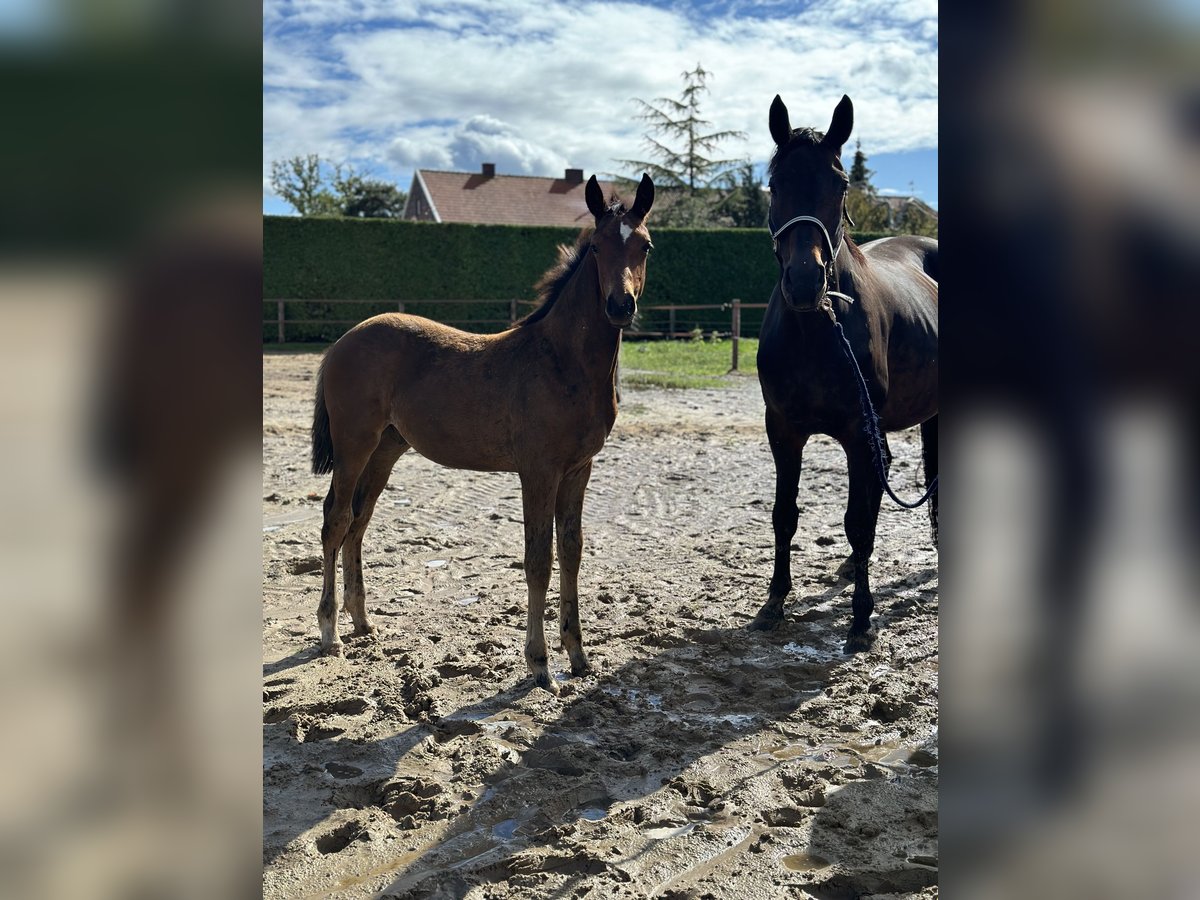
(342, 837)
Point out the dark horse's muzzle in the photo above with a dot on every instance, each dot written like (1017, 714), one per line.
(803, 285)
(620, 309)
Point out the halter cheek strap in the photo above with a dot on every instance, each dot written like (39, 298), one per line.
(833, 251)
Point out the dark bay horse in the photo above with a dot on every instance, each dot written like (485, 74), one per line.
(885, 295)
(538, 399)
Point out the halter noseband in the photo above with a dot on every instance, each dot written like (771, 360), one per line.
(830, 272)
(833, 251)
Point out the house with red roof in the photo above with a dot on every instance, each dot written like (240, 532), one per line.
(485, 198)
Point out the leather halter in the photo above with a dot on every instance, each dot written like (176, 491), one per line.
(833, 251)
(830, 271)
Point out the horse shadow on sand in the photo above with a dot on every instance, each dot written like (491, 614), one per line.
(534, 795)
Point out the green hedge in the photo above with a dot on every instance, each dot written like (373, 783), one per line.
(387, 262)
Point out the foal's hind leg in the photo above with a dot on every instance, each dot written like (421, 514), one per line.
(353, 451)
(787, 448)
(370, 485)
(538, 495)
(862, 513)
(568, 514)
(929, 439)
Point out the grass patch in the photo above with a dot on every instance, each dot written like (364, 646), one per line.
(670, 364)
(684, 364)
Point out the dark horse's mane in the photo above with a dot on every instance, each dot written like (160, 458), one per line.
(570, 258)
(809, 137)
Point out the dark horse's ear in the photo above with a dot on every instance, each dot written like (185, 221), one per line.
(841, 126)
(644, 199)
(595, 199)
(781, 127)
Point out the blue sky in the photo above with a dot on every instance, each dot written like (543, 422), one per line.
(536, 86)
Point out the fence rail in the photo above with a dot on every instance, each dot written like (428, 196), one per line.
(734, 307)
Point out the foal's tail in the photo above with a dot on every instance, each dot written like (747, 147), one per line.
(322, 441)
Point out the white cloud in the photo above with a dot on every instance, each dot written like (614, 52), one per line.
(536, 85)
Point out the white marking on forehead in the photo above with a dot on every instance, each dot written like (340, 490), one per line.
(626, 231)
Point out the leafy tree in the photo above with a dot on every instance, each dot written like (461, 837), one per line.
(317, 187)
(869, 212)
(684, 159)
(299, 181)
(747, 204)
(368, 198)
(915, 218)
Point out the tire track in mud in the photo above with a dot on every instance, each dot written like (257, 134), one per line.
(699, 760)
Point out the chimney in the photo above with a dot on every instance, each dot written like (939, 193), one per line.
(574, 176)
(489, 170)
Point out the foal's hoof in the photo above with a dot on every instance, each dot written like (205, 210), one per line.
(333, 650)
(858, 641)
(542, 680)
(580, 668)
(366, 630)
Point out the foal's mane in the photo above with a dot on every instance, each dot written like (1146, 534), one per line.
(570, 257)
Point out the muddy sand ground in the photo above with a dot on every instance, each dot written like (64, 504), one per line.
(700, 760)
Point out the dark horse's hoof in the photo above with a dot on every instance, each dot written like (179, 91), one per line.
(765, 622)
(858, 641)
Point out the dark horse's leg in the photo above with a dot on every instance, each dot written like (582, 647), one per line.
(353, 451)
(370, 485)
(787, 448)
(929, 437)
(538, 494)
(568, 514)
(862, 511)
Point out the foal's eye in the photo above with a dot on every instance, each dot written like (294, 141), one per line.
(595, 249)
(649, 247)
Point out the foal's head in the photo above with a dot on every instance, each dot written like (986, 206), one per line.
(807, 179)
(619, 246)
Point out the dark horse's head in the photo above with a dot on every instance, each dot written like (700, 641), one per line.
(619, 246)
(807, 180)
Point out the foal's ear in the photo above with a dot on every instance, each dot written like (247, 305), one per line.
(841, 126)
(644, 199)
(595, 199)
(781, 127)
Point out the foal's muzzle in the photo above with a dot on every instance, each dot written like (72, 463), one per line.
(620, 309)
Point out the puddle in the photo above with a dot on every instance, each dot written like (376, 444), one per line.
(505, 830)
(806, 652)
(805, 862)
(466, 601)
(593, 814)
(660, 834)
(435, 564)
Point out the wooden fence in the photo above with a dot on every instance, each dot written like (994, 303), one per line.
(733, 307)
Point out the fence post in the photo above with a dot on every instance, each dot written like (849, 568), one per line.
(512, 311)
(671, 326)
(400, 306)
(280, 308)
(737, 331)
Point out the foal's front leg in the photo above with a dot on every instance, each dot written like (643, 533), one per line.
(538, 494)
(568, 517)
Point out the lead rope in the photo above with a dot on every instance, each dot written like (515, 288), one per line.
(871, 421)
